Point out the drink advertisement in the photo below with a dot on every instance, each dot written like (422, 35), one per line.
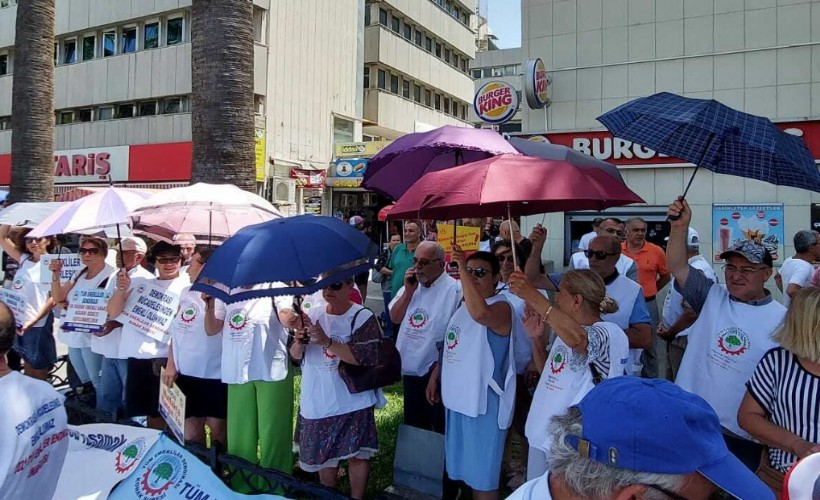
(761, 223)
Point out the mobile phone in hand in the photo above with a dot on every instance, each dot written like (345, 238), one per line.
(412, 279)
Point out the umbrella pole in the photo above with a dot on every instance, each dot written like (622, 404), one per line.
(119, 244)
(210, 227)
(512, 237)
(700, 161)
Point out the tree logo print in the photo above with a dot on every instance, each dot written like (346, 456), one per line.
(559, 359)
(17, 284)
(733, 341)
(188, 313)
(129, 455)
(237, 319)
(163, 470)
(452, 337)
(418, 318)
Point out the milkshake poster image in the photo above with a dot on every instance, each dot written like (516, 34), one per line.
(762, 223)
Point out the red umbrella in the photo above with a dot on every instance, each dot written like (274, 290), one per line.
(384, 212)
(516, 185)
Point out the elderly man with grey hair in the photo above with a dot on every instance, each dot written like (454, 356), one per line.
(632, 438)
(796, 271)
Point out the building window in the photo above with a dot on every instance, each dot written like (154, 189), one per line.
(464, 64)
(65, 117)
(84, 115)
(518, 95)
(259, 104)
(105, 113)
(70, 51)
(367, 18)
(476, 73)
(109, 43)
(125, 111)
(173, 105)
(366, 77)
(395, 24)
(405, 88)
(437, 101)
(343, 130)
(5, 123)
(383, 17)
(4, 64)
(428, 44)
(447, 55)
(150, 36)
(487, 72)
(465, 18)
(447, 105)
(174, 35)
(89, 47)
(258, 24)
(427, 97)
(148, 108)
(129, 40)
(416, 93)
(394, 84)
(408, 31)
(417, 38)
(438, 50)
(382, 79)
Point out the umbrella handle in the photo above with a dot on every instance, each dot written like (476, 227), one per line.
(683, 197)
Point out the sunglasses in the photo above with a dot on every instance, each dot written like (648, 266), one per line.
(504, 258)
(598, 254)
(31, 240)
(424, 262)
(478, 272)
(169, 260)
(336, 286)
(89, 251)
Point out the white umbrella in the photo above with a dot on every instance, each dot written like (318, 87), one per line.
(28, 214)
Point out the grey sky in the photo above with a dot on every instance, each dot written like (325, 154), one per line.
(505, 20)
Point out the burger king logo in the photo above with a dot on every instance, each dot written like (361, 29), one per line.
(495, 102)
(537, 84)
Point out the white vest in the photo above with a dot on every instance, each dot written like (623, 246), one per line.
(109, 345)
(566, 379)
(196, 353)
(523, 344)
(428, 314)
(625, 292)
(467, 369)
(579, 261)
(673, 304)
(725, 344)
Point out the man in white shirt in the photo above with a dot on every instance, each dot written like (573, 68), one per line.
(33, 432)
(733, 330)
(583, 244)
(422, 310)
(677, 314)
(610, 226)
(796, 271)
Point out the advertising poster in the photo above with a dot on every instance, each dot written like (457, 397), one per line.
(86, 311)
(172, 407)
(150, 311)
(15, 302)
(761, 223)
(71, 266)
(468, 238)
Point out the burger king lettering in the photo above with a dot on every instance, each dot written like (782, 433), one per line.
(536, 84)
(495, 102)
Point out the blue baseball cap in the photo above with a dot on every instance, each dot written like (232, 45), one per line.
(652, 425)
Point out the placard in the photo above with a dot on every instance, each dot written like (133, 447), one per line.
(468, 238)
(15, 302)
(172, 407)
(86, 312)
(150, 310)
(72, 264)
(762, 223)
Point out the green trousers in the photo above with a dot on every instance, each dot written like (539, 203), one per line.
(260, 426)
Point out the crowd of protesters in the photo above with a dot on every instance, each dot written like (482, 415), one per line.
(563, 358)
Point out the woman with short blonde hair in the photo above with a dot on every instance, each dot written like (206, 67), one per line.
(781, 407)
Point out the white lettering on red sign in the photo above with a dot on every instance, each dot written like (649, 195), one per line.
(603, 148)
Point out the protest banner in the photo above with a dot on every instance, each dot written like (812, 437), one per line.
(467, 238)
(172, 407)
(150, 310)
(100, 456)
(86, 312)
(16, 302)
(71, 266)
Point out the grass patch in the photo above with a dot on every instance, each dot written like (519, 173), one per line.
(388, 420)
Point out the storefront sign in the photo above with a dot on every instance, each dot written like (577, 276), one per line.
(16, 302)
(259, 147)
(91, 165)
(815, 216)
(172, 407)
(71, 266)
(359, 149)
(150, 311)
(621, 152)
(312, 201)
(350, 168)
(343, 182)
(308, 178)
(495, 102)
(760, 223)
(536, 84)
(86, 312)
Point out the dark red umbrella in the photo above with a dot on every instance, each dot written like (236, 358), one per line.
(384, 212)
(512, 185)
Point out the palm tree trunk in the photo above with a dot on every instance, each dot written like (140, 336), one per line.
(222, 101)
(32, 107)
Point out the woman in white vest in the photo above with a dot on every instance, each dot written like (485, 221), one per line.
(195, 362)
(333, 423)
(478, 376)
(586, 350)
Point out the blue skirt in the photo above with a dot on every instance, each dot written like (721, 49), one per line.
(474, 447)
(37, 346)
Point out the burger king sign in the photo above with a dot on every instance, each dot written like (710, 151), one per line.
(495, 102)
(536, 85)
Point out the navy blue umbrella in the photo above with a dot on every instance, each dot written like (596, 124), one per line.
(717, 137)
(286, 250)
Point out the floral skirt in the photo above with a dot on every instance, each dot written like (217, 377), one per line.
(324, 442)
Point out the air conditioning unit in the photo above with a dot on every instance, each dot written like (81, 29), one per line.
(348, 201)
(284, 191)
(497, 72)
(489, 126)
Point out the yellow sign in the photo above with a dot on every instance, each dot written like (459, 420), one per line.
(341, 182)
(359, 149)
(467, 237)
(259, 146)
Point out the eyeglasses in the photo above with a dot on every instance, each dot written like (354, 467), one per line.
(336, 286)
(598, 254)
(424, 262)
(478, 272)
(743, 271)
(505, 258)
(670, 494)
(89, 251)
(169, 260)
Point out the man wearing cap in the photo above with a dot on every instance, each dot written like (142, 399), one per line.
(187, 242)
(107, 343)
(733, 330)
(671, 448)
(677, 314)
(610, 226)
(586, 238)
(796, 271)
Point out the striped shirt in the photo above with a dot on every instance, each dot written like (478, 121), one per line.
(791, 397)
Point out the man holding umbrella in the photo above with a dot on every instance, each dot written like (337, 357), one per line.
(733, 330)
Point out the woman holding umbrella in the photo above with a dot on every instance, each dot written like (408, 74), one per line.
(35, 340)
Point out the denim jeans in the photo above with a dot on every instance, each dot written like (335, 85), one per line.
(389, 328)
(111, 396)
(87, 365)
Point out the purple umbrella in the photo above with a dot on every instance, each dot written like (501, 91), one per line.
(392, 171)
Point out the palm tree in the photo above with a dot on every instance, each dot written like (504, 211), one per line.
(32, 107)
(222, 101)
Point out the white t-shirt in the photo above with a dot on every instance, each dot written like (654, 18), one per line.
(35, 294)
(196, 353)
(794, 271)
(428, 313)
(134, 343)
(109, 345)
(324, 393)
(536, 489)
(254, 342)
(586, 239)
(33, 438)
(579, 261)
(673, 304)
(79, 339)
